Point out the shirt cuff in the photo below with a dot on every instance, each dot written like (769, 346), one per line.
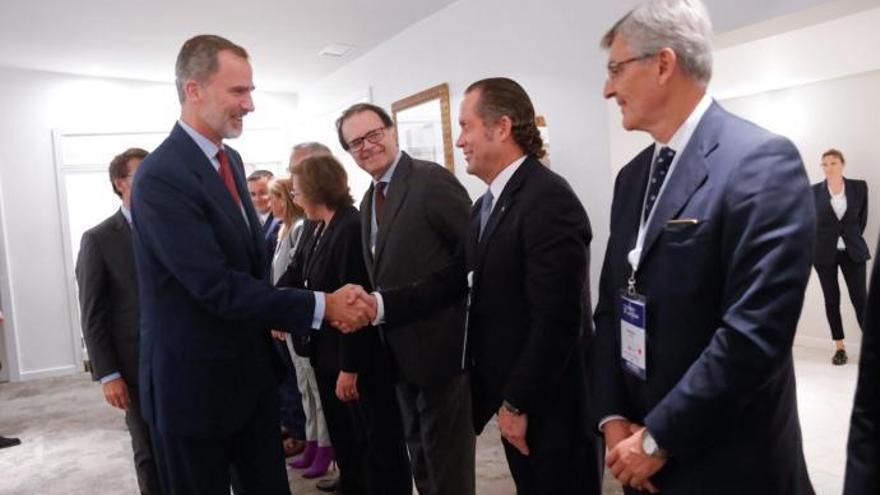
(608, 419)
(380, 309)
(319, 310)
(109, 378)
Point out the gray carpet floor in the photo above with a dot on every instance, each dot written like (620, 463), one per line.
(75, 444)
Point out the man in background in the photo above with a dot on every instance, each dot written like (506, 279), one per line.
(258, 187)
(108, 297)
(712, 231)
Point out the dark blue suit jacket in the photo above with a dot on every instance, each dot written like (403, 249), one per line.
(724, 294)
(206, 306)
(863, 448)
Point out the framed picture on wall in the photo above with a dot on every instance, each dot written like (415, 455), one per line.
(424, 129)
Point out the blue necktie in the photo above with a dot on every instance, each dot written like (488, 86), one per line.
(658, 174)
(485, 211)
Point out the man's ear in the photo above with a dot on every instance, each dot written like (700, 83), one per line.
(503, 127)
(667, 63)
(192, 89)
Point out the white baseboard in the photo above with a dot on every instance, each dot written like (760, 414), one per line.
(49, 372)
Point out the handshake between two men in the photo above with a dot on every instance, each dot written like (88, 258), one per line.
(350, 308)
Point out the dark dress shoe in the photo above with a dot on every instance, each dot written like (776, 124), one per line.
(8, 442)
(328, 485)
(839, 358)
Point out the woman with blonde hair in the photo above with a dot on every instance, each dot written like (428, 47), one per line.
(318, 453)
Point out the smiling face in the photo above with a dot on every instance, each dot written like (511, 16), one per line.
(259, 190)
(633, 83)
(376, 146)
(477, 140)
(220, 103)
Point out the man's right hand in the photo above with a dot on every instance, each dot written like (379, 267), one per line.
(615, 431)
(347, 316)
(116, 393)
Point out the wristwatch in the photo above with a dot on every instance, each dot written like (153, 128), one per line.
(511, 408)
(649, 445)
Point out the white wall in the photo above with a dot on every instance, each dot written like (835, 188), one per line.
(817, 85)
(40, 335)
(551, 48)
(839, 113)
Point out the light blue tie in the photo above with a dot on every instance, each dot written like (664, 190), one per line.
(485, 211)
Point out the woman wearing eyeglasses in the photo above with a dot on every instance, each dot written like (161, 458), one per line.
(353, 373)
(842, 213)
(318, 453)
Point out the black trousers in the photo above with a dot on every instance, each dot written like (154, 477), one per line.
(562, 455)
(141, 445)
(250, 459)
(367, 436)
(854, 275)
(439, 429)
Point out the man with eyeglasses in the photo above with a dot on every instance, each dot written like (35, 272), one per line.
(415, 218)
(108, 298)
(704, 275)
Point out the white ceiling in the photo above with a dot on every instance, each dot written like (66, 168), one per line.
(140, 39)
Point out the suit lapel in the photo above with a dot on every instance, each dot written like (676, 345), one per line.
(504, 203)
(824, 203)
(122, 242)
(397, 191)
(366, 226)
(202, 167)
(849, 189)
(689, 174)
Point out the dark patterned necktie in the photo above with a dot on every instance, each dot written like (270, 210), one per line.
(380, 201)
(227, 176)
(485, 211)
(658, 174)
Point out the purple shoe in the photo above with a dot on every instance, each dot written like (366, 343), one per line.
(308, 455)
(321, 464)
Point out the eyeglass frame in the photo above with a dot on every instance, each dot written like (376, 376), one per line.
(357, 143)
(614, 67)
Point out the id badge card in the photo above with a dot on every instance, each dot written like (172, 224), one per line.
(633, 341)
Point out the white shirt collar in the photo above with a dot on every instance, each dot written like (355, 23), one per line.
(206, 145)
(500, 181)
(264, 217)
(386, 177)
(126, 213)
(679, 141)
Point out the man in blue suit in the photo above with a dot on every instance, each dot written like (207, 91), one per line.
(703, 280)
(208, 372)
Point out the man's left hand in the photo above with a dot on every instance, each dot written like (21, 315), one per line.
(513, 428)
(631, 465)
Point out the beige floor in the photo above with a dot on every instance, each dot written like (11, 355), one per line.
(74, 444)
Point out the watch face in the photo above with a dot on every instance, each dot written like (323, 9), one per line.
(649, 445)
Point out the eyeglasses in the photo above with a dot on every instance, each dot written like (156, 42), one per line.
(373, 136)
(614, 67)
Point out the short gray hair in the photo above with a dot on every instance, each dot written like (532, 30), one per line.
(198, 59)
(682, 25)
(313, 147)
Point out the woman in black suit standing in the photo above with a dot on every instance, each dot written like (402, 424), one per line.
(355, 379)
(842, 213)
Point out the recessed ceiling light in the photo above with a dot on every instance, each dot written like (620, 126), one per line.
(335, 50)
